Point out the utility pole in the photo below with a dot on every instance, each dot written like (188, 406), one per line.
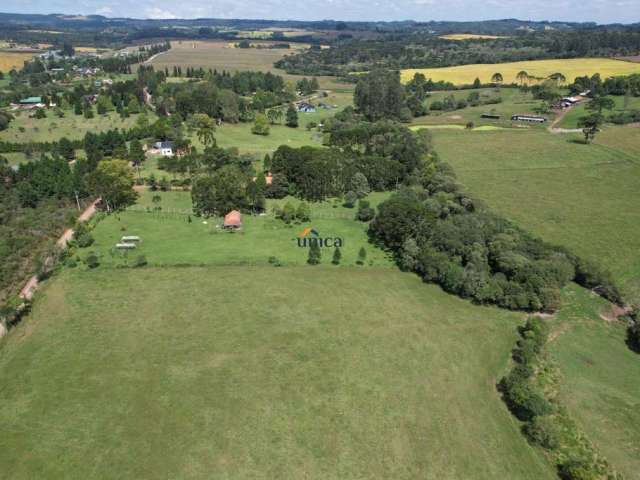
(78, 202)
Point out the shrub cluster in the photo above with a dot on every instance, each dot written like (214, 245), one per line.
(439, 232)
(546, 424)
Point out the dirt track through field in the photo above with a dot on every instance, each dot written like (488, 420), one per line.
(32, 284)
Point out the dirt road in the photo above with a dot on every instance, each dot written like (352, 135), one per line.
(32, 284)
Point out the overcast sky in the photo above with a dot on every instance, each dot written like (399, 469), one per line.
(601, 11)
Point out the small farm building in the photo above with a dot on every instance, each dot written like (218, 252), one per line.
(233, 220)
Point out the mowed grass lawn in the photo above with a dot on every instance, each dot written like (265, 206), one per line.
(582, 196)
(24, 129)
(263, 372)
(169, 239)
(570, 68)
(600, 384)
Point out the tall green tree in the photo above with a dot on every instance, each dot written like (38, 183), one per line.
(136, 153)
(112, 180)
(260, 125)
(590, 125)
(292, 117)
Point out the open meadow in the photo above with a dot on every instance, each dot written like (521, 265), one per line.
(581, 196)
(258, 372)
(570, 68)
(512, 101)
(600, 374)
(169, 238)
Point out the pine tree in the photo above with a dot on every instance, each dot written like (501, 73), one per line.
(314, 253)
(337, 256)
(362, 256)
(292, 117)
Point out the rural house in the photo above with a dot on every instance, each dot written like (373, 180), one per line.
(233, 220)
(162, 148)
(305, 107)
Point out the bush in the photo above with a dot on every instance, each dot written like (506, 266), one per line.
(140, 261)
(275, 261)
(365, 212)
(84, 240)
(362, 256)
(542, 431)
(337, 256)
(578, 469)
(350, 199)
(92, 260)
(314, 253)
(633, 336)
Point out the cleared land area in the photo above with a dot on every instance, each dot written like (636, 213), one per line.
(11, 60)
(570, 68)
(600, 379)
(236, 372)
(582, 196)
(220, 55)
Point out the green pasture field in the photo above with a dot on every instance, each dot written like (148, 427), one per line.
(169, 239)
(581, 196)
(513, 101)
(600, 384)
(570, 120)
(72, 126)
(258, 372)
(239, 135)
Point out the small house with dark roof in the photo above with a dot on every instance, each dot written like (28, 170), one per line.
(233, 220)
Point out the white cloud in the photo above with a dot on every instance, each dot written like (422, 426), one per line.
(158, 13)
(106, 11)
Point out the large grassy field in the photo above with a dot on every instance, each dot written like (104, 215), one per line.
(168, 238)
(600, 384)
(11, 60)
(24, 129)
(222, 55)
(571, 68)
(513, 101)
(582, 196)
(263, 372)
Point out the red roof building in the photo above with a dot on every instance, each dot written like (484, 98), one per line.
(233, 219)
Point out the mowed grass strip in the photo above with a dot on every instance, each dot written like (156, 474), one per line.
(581, 196)
(600, 378)
(237, 372)
(570, 68)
